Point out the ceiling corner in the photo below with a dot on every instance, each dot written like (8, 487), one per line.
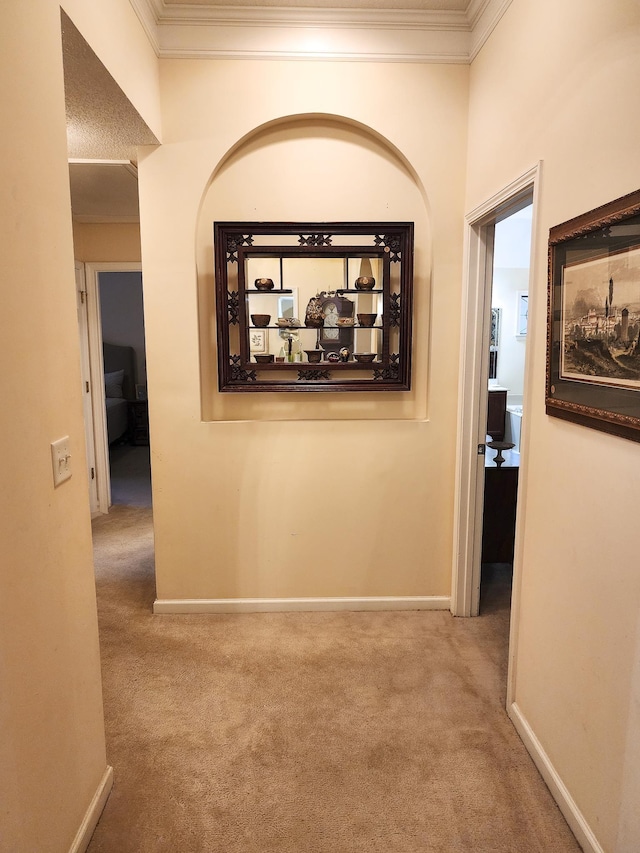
(484, 16)
(429, 31)
(149, 14)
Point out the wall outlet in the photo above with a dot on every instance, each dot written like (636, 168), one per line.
(61, 460)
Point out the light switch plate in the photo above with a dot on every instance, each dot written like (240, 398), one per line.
(61, 460)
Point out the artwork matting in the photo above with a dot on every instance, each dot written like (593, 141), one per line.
(593, 333)
(522, 313)
(258, 342)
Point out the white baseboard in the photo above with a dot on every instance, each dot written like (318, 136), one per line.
(92, 815)
(567, 805)
(280, 605)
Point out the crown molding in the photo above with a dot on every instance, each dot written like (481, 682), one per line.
(375, 35)
(148, 17)
(292, 16)
(104, 219)
(484, 16)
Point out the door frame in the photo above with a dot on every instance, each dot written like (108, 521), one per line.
(96, 359)
(473, 395)
(87, 383)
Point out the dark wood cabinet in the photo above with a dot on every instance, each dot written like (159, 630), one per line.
(496, 413)
(499, 522)
(139, 422)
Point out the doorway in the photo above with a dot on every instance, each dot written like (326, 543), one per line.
(474, 387)
(123, 346)
(509, 284)
(117, 355)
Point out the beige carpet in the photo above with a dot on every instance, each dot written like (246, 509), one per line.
(306, 733)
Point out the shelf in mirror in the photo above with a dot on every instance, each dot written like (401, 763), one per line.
(310, 365)
(315, 268)
(315, 328)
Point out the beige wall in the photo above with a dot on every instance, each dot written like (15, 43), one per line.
(236, 488)
(558, 83)
(52, 750)
(106, 242)
(242, 502)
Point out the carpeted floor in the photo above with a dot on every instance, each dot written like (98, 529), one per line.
(307, 732)
(130, 471)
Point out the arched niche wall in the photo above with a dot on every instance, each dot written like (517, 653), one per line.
(314, 168)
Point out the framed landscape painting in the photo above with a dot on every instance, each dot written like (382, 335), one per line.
(593, 338)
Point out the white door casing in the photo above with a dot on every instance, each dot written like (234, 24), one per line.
(87, 397)
(473, 396)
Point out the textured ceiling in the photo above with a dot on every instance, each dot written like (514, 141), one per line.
(104, 192)
(101, 121)
(102, 125)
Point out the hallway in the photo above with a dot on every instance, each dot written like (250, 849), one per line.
(315, 732)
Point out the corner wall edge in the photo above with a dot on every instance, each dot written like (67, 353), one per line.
(93, 813)
(559, 791)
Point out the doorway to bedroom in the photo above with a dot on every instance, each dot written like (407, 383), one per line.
(120, 422)
(126, 408)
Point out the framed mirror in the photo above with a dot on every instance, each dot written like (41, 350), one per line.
(314, 306)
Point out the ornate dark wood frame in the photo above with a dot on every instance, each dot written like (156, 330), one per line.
(609, 408)
(235, 242)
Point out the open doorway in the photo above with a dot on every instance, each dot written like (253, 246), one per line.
(117, 354)
(509, 284)
(104, 133)
(474, 428)
(125, 370)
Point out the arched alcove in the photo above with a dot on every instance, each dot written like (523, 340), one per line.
(315, 168)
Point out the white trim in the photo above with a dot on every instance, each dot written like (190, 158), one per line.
(559, 791)
(87, 161)
(469, 474)
(92, 815)
(105, 219)
(148, 18)
(332, 18)
(364, 43)
(505, 195)
(472, 398)
(535, 293)
(96, 365)
(282, 605)
(87, 398)
(259, 32)
(483, 22)
(453, 58)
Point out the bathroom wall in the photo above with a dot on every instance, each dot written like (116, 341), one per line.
(512, 254)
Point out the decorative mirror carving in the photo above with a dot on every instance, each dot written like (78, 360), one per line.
(314, 306)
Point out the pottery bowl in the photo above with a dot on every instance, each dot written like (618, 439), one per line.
(314, 355)
(346, 321)
(260, 320)
(365, 282)
(364, 356)
(264, 359)
(264, 284)
(367, 320)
